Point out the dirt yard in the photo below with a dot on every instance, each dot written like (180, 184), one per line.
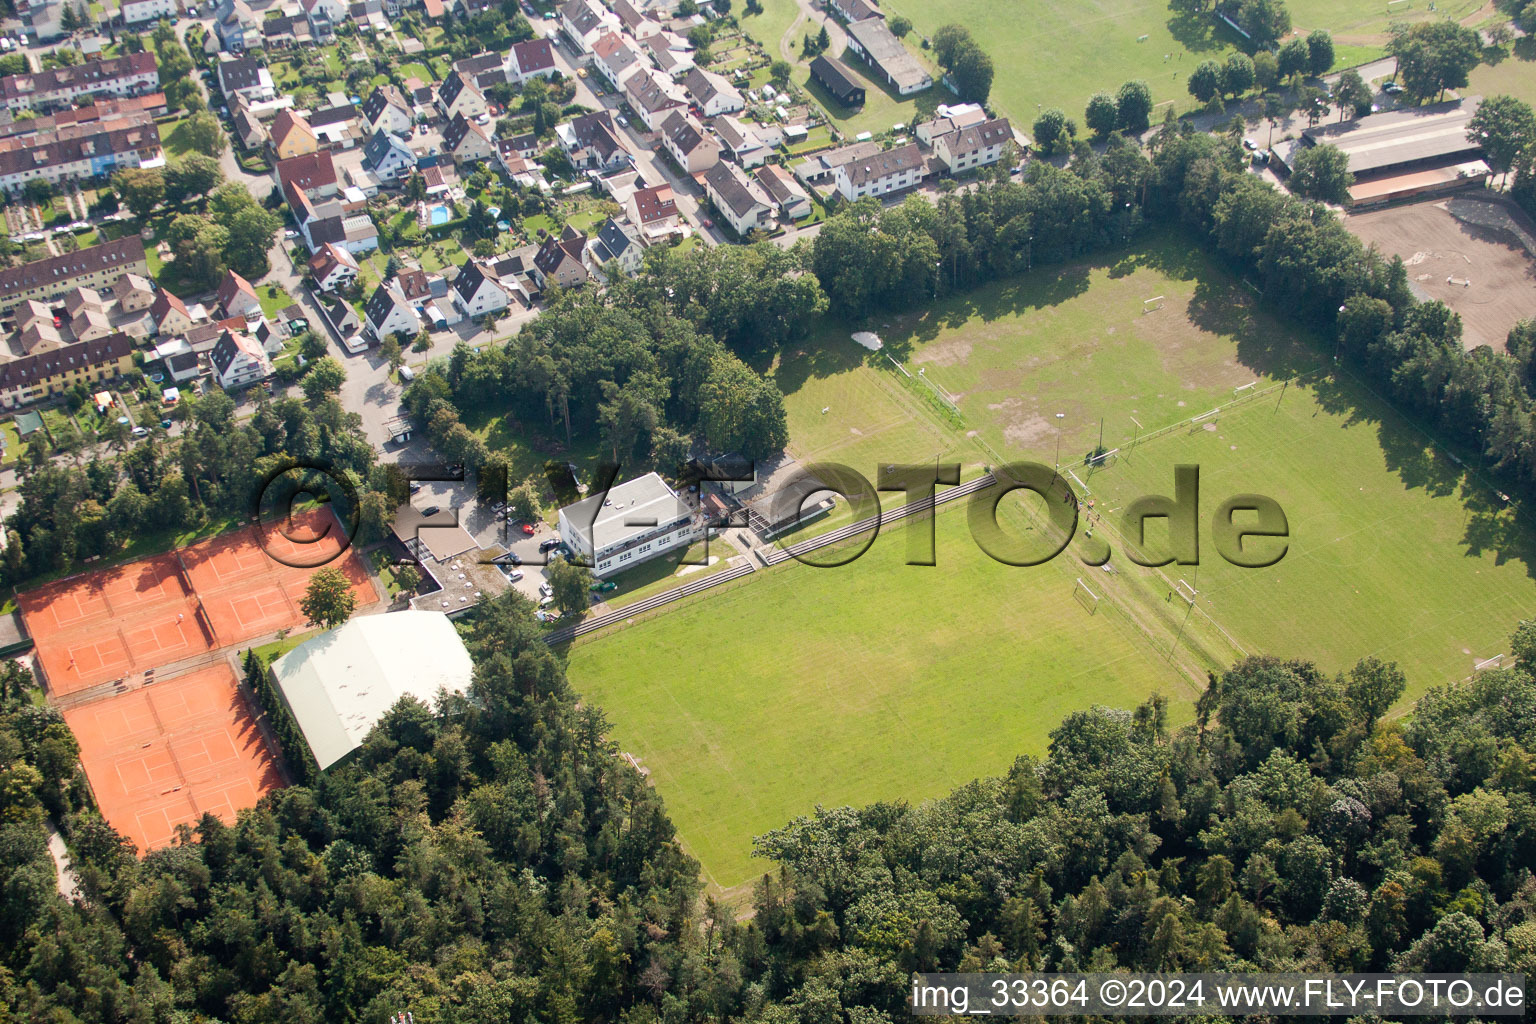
(1475, 254)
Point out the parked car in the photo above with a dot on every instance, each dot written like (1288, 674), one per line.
(430, 511)
(513, 575)
(165, 424)
(528, 529)
(140, 431)
(549, 545)
(545, 590)
(605, 587)
(1250, 145)
(623, 121)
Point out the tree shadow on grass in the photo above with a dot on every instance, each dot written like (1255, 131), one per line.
(1195, 32)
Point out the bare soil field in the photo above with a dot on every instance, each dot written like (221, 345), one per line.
(1475, 254)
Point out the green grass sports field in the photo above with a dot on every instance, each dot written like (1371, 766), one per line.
(880, 680)
(873, 681)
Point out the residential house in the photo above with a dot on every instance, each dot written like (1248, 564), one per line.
(236, 26)
(694, 149)
(237, 297)
(532, 58)
(515, 166)
(134, 74)
(336, 126)
(833, 75)
(616, 59)
(96, 266)
(79, 153)
(137, 12)
(53, 371)
(559, 260)
(616, 242)
(887, 56)
(712, 94)
(739, 142)
(651, 95)
(821, 167)
(592, 141)
(313, 175)
(332, 268)
(792, 201)
(79, 299)
(950, 117)
(341, 220)
(169, 315)
(90, 324)
(583, 21)
(739, 200)
(638, 24)
(458, 95)
(386, 110)
(326, 12)
(478, 293)
(253, 135)
(133, 293)
(483, 69)
(973, 147)
(292, 136)
(238, 361)
(387, 158)
(467, 142)
(654, 211)
(881, 174)
(285, 30)
(242, 76)
(671, 53)
(855, 10)
(388, 313)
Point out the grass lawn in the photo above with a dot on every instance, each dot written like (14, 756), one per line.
(272, 305)
(277, 648)
(769, 27)
(173, 139)
(414, 70)
(904, 681)
(1512, 76)
(660, 574)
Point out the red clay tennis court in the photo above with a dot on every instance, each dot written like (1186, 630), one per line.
(99, 627)
(164, 754)
(105, 625)
(249, 592)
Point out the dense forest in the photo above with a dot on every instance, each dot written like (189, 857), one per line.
(493, 859)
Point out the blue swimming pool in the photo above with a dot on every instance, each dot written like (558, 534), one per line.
(439, 215)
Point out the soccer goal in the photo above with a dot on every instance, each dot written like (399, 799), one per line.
(1186, 591)
(1086, 597)
(1398, 6)
(1154, 303)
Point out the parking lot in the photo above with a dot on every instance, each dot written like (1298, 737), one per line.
(480, 521)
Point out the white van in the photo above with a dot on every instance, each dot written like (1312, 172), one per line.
(407, 374)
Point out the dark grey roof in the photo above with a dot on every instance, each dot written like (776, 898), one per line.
(839, 81)
(240, 73)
